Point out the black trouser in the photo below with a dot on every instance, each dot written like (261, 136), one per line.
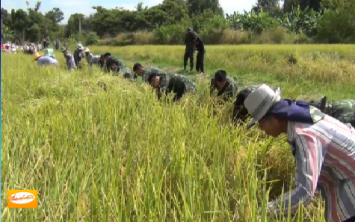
(189, 54)
(200, 61)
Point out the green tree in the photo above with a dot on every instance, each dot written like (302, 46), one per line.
(198, 6)
(56, 15)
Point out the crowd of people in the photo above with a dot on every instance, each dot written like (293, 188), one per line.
(321, 134)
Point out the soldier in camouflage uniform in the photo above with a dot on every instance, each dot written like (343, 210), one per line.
(114, 64)
(343, 110)
(127, 73)
(190, 43)
(132, 76)
(102, 60)
(226, 86)
(175, 83)
(240, 113)
(146, 72)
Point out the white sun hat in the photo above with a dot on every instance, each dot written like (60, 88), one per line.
(260, 101)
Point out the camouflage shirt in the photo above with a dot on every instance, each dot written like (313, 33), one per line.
(148, 71)
(126, 70)
(177, 84)
(110, 60)
(176, 79)
(229, 90)
(343, 110)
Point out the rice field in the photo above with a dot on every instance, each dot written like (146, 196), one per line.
(121, 155)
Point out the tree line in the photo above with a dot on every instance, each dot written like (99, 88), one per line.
(300, 21)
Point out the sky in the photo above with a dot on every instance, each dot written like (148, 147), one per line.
(85, 6)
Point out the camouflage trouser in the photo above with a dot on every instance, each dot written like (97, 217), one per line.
(189, 54)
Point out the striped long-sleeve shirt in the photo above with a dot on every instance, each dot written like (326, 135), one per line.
(325, 159)
(92, 59)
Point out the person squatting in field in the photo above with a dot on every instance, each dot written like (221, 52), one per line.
(190, 43)
(174, 83)
(146, 72)
(69, 58)
(200, 55)
(226, 86)
(45, 60)
(323, 148)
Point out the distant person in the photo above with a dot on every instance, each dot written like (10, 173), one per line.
(146, 72)
(200, 55)
(69, 58)
(90, 58)
(57, 44)
(46, 42)
(190, 43)
(323, 148)
(172, 83)
(79, 54)
(45, 60)
(226, 86)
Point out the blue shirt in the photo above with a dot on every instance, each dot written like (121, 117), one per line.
(46, 60)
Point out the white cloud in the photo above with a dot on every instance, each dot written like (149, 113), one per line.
(239, 6)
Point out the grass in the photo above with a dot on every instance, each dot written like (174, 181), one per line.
(121, 155)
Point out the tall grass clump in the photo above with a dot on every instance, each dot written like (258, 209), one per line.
(121, 155)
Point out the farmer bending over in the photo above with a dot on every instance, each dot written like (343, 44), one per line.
(45, 60)
(69, 58)
(323, 147)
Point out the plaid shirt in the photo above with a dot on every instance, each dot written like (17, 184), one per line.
(325, 159)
